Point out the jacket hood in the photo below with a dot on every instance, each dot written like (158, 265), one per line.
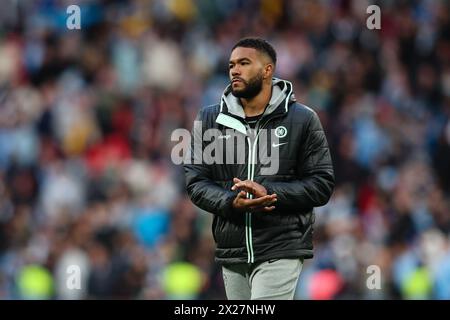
(282, 92)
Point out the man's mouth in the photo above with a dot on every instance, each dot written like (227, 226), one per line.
(235, 80)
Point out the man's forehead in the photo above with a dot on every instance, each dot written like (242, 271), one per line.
(241, 52)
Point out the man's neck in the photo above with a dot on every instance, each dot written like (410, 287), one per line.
(256, 105)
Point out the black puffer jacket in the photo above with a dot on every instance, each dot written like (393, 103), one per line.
(304, 178)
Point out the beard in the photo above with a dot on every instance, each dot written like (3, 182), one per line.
(252, 87)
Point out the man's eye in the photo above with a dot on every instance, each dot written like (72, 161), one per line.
(230, 66)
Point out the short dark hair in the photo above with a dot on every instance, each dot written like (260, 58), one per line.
(259, 44)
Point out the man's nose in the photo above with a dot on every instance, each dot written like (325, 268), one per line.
(235, 71)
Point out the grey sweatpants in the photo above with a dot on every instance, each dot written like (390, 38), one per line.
(270, 280)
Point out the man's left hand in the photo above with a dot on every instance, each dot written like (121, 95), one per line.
(249, 186)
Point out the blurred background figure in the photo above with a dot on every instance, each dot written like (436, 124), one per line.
(86, 177)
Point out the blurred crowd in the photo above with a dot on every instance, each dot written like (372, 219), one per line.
(91, 205)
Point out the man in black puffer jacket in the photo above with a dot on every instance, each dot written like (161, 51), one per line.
(262, 201)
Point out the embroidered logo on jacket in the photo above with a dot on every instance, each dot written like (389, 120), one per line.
(280, 132)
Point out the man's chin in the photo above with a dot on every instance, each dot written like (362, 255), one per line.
(238, 93)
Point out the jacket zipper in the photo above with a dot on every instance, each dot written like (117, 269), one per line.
(251, 176)
(248, 227)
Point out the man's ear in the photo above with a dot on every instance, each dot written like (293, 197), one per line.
(268, 70)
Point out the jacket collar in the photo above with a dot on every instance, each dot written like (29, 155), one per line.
(232, 113)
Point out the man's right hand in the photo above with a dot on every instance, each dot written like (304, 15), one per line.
(262, 204)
